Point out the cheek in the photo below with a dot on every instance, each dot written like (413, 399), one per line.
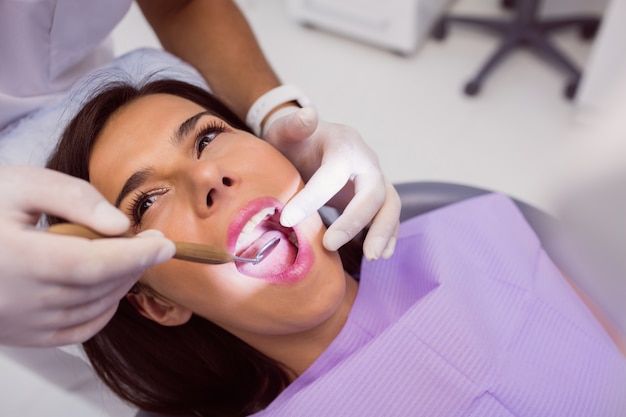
(280, 180)
(209, 291)
(179, 281)
(262, 158)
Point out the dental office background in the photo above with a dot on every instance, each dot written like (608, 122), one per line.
(403, 91)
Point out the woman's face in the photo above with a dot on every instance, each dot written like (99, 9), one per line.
(172, 165)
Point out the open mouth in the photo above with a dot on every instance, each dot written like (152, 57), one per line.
(258, 223)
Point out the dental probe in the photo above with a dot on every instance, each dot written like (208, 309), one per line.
(193, 252)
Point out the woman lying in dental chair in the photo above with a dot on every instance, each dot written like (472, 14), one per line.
(469, 317)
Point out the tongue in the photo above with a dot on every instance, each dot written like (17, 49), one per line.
(275, 262)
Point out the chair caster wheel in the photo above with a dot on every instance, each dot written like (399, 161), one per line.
(588, 31)
(508, 4)
(570, 89)
(440, 30)
(472, 88)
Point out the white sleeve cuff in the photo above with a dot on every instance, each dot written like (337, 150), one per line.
(270, 100)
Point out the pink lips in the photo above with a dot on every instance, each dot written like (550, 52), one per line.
(287, 263)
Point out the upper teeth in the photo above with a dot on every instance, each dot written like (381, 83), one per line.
(254, 222)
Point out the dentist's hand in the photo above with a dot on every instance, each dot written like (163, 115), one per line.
(57, 290)
(340, 168)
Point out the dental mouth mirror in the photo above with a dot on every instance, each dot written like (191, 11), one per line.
(260, 255)
(193, 252)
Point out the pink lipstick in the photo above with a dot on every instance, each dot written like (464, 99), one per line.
(257, 223)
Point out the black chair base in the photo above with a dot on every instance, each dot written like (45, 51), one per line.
(525, 29)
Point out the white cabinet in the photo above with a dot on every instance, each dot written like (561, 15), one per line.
(398, 25)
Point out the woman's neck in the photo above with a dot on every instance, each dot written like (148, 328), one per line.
(298, 351)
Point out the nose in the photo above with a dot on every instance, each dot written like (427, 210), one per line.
(206, 186)
(212, 194)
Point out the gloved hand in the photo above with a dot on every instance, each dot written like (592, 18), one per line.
(57, 290)
(341, 169)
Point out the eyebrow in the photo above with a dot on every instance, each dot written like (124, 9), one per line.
(188, 126)
(132, 183)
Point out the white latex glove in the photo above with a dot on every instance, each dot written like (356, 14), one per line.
(340, 168)
(57, 290)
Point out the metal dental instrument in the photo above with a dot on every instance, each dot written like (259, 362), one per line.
(193, 252)
(260, 255)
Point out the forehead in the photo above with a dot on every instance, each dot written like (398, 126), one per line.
(153, 107)
(154, 114)
(144, 119)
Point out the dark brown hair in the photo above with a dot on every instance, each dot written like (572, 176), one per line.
(198, 367)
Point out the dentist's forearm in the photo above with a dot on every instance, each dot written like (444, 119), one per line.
(216, 39)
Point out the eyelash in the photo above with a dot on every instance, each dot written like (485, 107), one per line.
(213, 127)
(138, 202)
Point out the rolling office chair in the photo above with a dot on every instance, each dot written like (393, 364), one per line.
(525, 29)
